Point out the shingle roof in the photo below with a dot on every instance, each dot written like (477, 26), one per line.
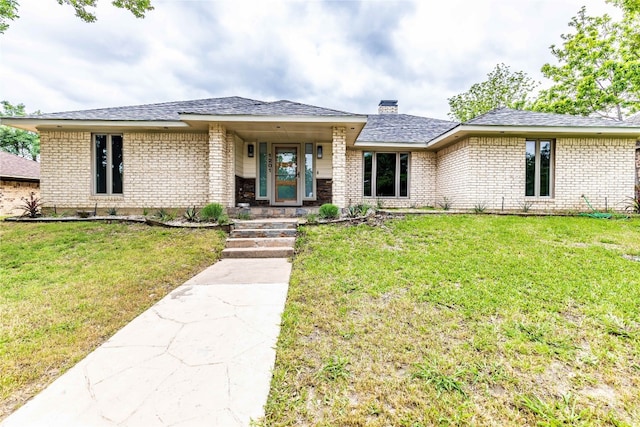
(511, 117)
(169, 111)
(12, 166)
(635, 119)
(402, 128)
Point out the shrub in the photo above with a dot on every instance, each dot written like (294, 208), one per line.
(191, 214)
(479, 207)
(212, 212)
(164, 215)
(31, 205)
(328, 211)
(445, 204)
(312, 218)
(112, 211)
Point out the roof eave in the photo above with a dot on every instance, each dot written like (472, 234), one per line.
(393, 145)
(34, 125)
(459, 131)
(221, 118)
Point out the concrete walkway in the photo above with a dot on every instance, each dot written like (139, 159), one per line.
(202, 356)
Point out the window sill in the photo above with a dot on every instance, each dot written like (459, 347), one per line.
(98, 197)
(539, 198)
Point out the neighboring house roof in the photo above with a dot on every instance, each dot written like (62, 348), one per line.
(402, 128)
(170, 111)
(511, 117)
(635, 119)
(16, 167)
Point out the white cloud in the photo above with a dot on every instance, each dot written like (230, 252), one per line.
(336, 54)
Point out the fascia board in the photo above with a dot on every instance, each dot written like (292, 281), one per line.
(268, 119)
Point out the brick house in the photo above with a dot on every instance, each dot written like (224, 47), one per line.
(19, 177)
(237, 150)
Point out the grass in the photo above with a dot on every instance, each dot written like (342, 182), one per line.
(66, 288)
(464, 320)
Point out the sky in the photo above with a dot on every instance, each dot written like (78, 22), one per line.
(341, 54)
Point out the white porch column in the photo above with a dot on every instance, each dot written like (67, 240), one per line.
(221, 166)
(339, 160)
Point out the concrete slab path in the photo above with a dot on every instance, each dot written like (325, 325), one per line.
(202, 356)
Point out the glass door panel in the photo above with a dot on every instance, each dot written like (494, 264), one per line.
(286, 176)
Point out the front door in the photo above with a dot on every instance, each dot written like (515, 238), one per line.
(286, 176)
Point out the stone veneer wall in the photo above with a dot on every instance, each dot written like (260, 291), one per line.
(246, 192)
(160, 170)
(12, 192)
(422, 181)
(484, 170)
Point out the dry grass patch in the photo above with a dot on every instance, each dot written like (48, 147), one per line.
(465, 320)
(66, 288)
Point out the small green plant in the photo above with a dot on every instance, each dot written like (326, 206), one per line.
(479, 207)
(335, 368)
(632, 204)
(164, 215)
(223, 219)
(212, 212)
(243, 215)
(445, 204)
(358, 210)
(379, 204)
(312, 218)
(32, 205)
(328, 211)
(191, 214)
(526, 206)
(145, 211)
(440, 381)
(112, 211)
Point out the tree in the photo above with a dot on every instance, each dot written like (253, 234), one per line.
(629, 6)
(503, 88)
(9, 9)
(598, 71)
(16, 141)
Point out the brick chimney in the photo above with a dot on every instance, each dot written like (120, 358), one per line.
(388, 106)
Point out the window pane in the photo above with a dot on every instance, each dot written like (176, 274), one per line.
(545, 168)
(101, 163)
(368, 168)
(404, 174)
(308, 170)
(262, 173)
(530, 167)
(386, 175)
(117, 166)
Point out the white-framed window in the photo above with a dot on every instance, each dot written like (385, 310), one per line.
(108, 164)
(539, 167)
(386, 174)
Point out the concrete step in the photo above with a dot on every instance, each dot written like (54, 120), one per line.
(262, 233)
(257, 252)
(273, 242)
(259, 225)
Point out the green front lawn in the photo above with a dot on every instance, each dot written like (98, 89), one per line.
(65, 288)
(463, 320)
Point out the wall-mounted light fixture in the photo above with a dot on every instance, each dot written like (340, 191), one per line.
(319, 151)
(250, 150)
